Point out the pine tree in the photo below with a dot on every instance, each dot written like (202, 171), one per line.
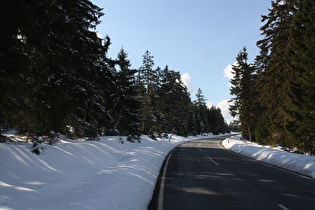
(216, 121)
(182, 105)
(286, 79)
(200, 110)
(175, 103)
(168, 102)
(145, 78)
(155, 98)
(243, 87)
(14, 73)
(274, 64)
(62, 52)
(300, 124)
(146, 74)
(200, 101)
(127, 103)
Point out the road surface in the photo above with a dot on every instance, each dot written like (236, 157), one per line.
(202, 175)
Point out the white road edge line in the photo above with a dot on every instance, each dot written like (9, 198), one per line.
(283, 207)
(214, 161)
(161, 193)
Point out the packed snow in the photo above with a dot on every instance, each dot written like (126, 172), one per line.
(110, 173)
(302, 164)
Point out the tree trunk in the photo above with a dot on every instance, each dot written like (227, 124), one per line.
(249, 133)
(54, 122)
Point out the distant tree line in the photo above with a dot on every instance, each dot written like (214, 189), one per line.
(275, 95)
(167, 106)
(56, 77)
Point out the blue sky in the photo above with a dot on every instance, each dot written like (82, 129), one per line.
(198, 38)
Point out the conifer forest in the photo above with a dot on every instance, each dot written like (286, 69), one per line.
(56, 77)
(274, 97)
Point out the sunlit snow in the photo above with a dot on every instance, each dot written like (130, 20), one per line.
(104, 174)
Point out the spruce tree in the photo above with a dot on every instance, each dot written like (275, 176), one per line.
(175, 103)
(216, 121)
(200, 110)
(62, 53)
(127, 104)
(274, 64)
(146, 74)
(243, 88)
(155, 98)
(145, 78)
(300, 124)
(15, 101)
(182, 107)
(286, 79)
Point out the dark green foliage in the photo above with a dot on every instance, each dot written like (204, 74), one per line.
(167, 105)
(146, 88)
(275, 74)
(216, 121)
(14, 63)
(233, 126)
(127, 103)
(56, 56)
(287, 84)
(55, 78)
(277, 105)
(146, 74)
(300, 124)
(262, 134)
(200, 113)
(243, 88)
(176, 101)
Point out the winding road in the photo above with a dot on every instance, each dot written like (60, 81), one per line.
(201, 174)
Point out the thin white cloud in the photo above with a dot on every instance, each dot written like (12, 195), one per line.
(224, 106)
(228, 71)
(186, 80)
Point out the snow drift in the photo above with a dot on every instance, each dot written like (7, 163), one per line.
(104, 174)
(302, 164)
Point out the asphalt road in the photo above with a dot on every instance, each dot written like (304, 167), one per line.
(202, 175)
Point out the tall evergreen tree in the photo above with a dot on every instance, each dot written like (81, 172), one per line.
(273, 61)
(200, 101)
(175, 103)
(286, 80)
(243, 87)
(17, 18)
(200, 111)
(216, 121)
(127, 103)
(155, 97)
(62, 53)
(300, 124)
(146, 74)
(145, 80)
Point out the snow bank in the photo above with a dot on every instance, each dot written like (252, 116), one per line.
(302, 164)
(104, 174)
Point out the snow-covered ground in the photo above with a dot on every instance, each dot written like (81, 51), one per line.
(302, 164)
(104, 174)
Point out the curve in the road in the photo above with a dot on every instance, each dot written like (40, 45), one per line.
(201, 175)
